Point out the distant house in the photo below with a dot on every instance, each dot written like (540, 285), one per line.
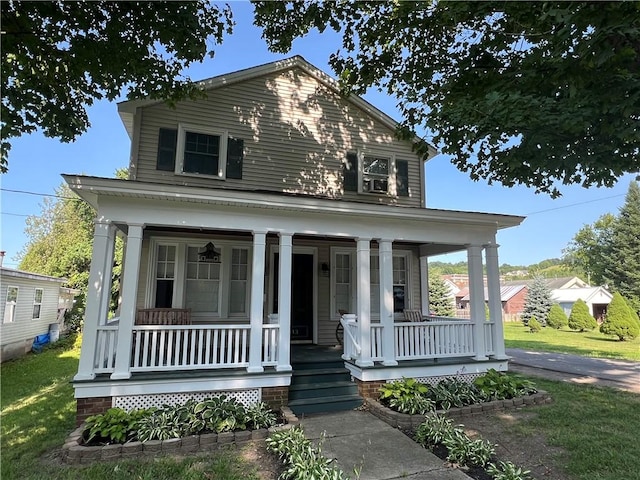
(512, 297)
(596, 298)
(30, 304)
(553, 283)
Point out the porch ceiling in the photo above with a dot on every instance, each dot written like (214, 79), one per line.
(92, 188)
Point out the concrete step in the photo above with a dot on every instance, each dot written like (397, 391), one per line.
(320, 375)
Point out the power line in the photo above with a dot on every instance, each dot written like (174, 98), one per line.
(16, 214)
(574, 204)
(39, 194)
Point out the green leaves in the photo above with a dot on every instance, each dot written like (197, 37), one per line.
(533, 93)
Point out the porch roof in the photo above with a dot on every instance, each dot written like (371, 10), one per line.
(91, 188)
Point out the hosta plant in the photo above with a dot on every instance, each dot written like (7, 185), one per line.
(494, 385)
(406, 396)
(434, 430)
(453, 392)
(114, 426)
(507, 471)
(261, 416)
(464, 451)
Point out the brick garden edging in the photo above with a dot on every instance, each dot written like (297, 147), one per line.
(74, 453)
(406, 421)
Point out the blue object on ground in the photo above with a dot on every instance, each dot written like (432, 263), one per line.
(40, 341)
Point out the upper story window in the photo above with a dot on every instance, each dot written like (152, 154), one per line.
(199, 151)
(375, 174)
(37, 303)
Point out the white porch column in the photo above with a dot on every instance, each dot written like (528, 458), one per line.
(97, 305)
(424, 285)
(256, 313)
(495, 300)
(363, 266)
(128, 309)
(476, 294)
(284, 302)
(386, 302)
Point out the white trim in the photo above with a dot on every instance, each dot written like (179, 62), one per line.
(391, 173)
(132, 386)
(35, 296)
(12, 304)
(223, 135)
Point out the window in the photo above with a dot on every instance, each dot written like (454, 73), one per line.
(343, 296)
(200, 151)
(10, 305)
(239, 284)
(37, 303)
(202, 293)
(165, 274)
(399, 283)
(376, 174)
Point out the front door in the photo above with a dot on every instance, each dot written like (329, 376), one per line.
(302, 307)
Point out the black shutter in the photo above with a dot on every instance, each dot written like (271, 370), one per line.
(402, 178)
(350, 172)
(167, 141)
(235, 155)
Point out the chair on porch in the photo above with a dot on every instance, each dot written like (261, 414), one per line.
(413, 315)
(163, 316)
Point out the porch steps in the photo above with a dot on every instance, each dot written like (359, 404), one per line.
(322, 386)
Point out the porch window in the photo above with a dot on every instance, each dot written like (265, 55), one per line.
(200, 151)
(202, 284)
(375, 174)
(165, 274)
(10, 305)
(343, 287)
(379, 174)
(399, 283)
(239, 281)
(37, 303)
(374, 282)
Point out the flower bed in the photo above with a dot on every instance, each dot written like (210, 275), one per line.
(74, 452)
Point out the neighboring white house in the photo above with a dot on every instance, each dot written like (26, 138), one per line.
(596, 298)
(255, 218)
(29, 305)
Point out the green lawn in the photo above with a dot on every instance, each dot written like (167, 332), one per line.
(596, 427)
(589, 344)
(38, 412)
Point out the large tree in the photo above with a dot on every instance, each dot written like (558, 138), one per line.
(534, 93)
(440, 299)
(538, 302)
(59, 57)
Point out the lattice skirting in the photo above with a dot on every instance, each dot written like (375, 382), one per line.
(130, 402)
(465, 377)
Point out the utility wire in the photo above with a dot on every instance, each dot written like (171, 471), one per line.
(39, 194)
(16, 214)
(574, 204)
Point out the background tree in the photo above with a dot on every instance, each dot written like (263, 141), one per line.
(580, 319)
(534, 325)
(534, 93)
(619, 320)
(557, 318)
(58, 57)
(61, 242)
(538, 302)
(623, 266)
(440, 300)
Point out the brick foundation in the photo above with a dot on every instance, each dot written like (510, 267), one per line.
(91, 406)
(369, 389)
(275, 397)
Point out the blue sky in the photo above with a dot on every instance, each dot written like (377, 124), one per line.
(36, 162)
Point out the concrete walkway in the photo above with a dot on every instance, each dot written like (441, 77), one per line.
(358, 441)
(621, 374)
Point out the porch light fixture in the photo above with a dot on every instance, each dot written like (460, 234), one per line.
(324, 269)
(209, 254)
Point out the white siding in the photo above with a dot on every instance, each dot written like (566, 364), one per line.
(296, 135)
(24, 328)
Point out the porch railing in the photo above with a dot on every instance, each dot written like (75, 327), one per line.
(437, 339)
(185, 347)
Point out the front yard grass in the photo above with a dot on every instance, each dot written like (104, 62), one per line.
(38, 412)
(588, 344)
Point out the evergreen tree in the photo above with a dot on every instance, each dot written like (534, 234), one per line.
(440, 299)
(624, 261)
(580, 319)
(619, 320)
(538, 302)
(557, 318)
(534, 325)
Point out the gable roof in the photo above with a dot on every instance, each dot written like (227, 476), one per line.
(507, 292)
(10, 272)
(553, 283)
(127, 109)
(571, 295)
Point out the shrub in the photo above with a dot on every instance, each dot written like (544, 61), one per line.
(538, 302)
(406, 396)
(557, 318)
(620, 320)
(114, 426)
(494, 385)
(534, 325)
(580, 319)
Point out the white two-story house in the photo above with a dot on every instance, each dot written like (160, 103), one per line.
(260, 217)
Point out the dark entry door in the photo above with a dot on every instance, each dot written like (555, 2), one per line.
(302, 307)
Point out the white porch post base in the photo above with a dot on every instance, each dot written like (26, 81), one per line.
(495, 301)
